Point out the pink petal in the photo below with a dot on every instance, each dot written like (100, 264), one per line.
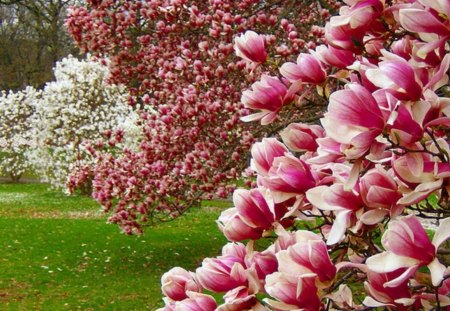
(417, 20)
(401, 279)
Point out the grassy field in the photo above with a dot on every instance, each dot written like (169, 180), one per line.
(57, 253)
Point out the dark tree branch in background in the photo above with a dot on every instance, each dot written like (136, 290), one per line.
(32, 39)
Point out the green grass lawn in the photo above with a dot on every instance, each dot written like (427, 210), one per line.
(58, 253)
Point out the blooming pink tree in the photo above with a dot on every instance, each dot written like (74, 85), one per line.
(179, 57)
(305, 237)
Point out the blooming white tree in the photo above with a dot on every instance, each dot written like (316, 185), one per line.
(79, 106)
(16, 109)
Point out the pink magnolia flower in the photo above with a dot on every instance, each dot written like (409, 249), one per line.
(237, 250)
(397, 76)
(253, 208)
(287, 178)
(222, 274)
(308, 69)
(240, 299)
(380, 294)
(265, 262)
(177, 281)
(234, 228)
(404, 129)
(343, 37)
(354, 119)
(346, 31)
(264, 152)
(250, 46)
(343, 298)
(268, 95)
(403, 47)
(421, 174)
(335, 57)
(407, 246)
(380, 194)
(196, 302)
(328, 151)
(301, 137)
(293, 292)
(308, 255)
(360, 14)
(343, 203)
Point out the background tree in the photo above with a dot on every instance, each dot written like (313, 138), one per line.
(32, 39)
(78, 106)
(16, 113)
(178, 57)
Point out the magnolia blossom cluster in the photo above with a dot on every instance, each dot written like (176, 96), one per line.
(333, 221)
(16, 110)
(179, 58)
(78, 106)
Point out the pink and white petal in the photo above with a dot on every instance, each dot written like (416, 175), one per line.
(406, 275)
(405, 301)
(396, 211)
(437, 271)
(354, 175)
(269, 118)
(374, 216)
(415, 163)
(370, 302)
(380, 79)
(427, 298)
(388, 262)
(254, 116)
(340, 225)
(339, 131)
(348, 264)
(342, 297)
(294, 88)
(303, 236)
(315, 196)
(277, 305)
(417, 20)
(442, 170)
(439, 76)
(423, 51)
(421, 192)
(442, 232)
(254, 284)
(280, 196)
(287, 265)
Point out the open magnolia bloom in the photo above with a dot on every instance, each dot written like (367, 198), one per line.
(250, 46)
(407, 246)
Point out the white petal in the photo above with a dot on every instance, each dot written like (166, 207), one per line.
(339, 227)
(387, 262)
(370, 302)
(374, 216)
(442, 233)
(405, 301)
(437, 271)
